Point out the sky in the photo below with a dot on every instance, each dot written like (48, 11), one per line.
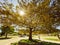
(51, 2)
(15, 2)
(11, 1)
(58, 27)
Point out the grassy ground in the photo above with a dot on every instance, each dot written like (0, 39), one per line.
(42, 43)
(3, 37)
(53, 39)
(44, 37)
(48, 43)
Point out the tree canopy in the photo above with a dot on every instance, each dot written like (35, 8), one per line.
(39, 14)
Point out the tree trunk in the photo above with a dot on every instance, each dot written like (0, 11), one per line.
(30, 34)
(39, 37)
(58, 36)
(5, 35)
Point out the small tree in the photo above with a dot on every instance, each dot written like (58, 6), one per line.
(6, 30)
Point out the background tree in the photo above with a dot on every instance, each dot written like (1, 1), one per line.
(55, 14)
(7, 30)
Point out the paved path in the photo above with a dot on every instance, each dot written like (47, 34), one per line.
(9, 41)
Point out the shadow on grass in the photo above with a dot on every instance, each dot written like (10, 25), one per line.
(49, 43)
(39, 43)
(4, 38)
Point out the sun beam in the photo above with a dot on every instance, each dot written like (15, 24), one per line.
(22, 13)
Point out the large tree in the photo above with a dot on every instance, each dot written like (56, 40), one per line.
(36, 15)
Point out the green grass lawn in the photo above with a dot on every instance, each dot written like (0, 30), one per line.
(52, 38)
